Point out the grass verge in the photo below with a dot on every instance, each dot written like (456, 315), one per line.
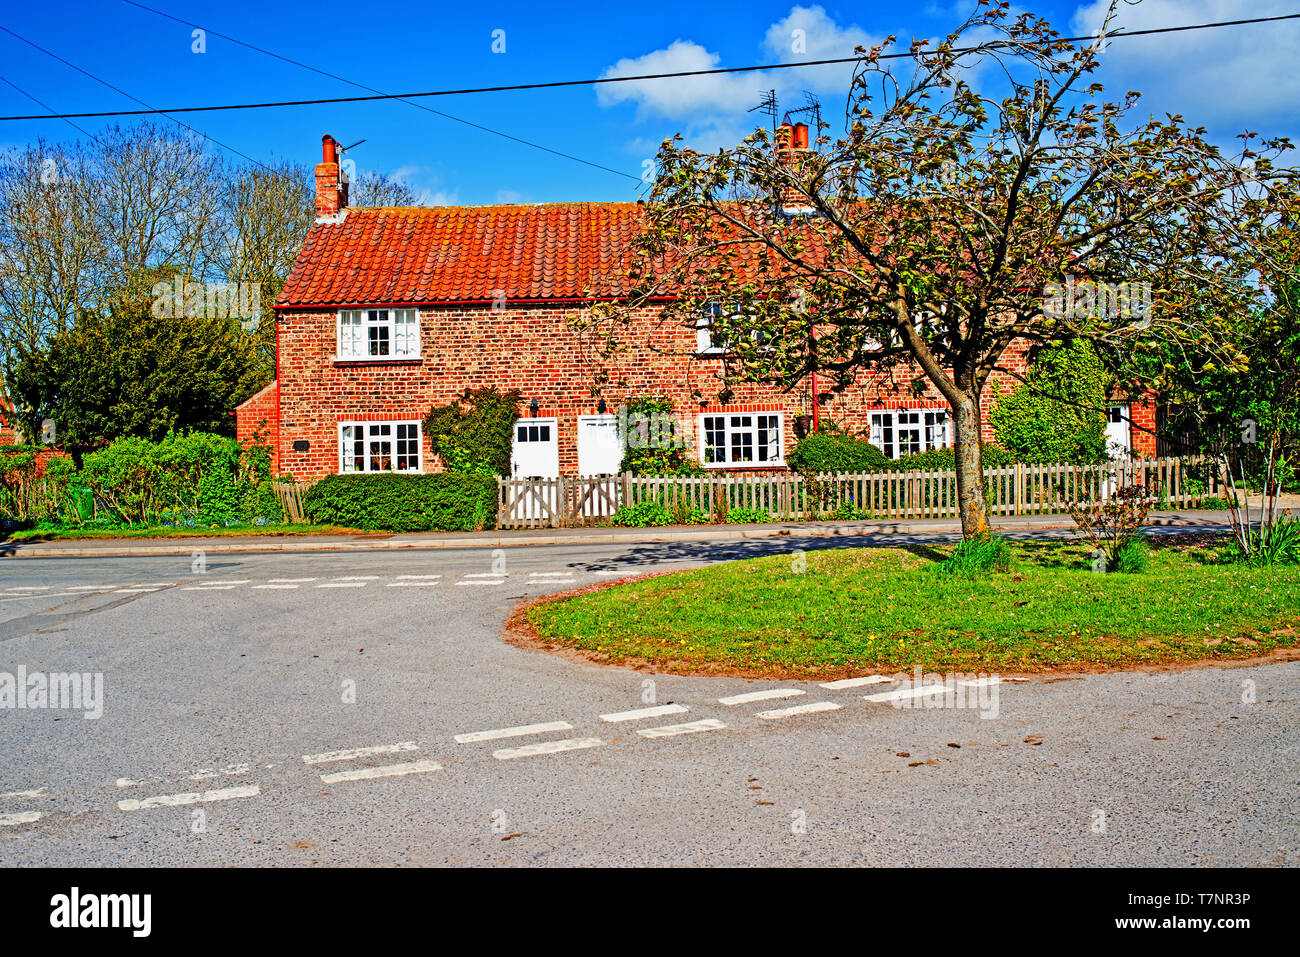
(854, 611)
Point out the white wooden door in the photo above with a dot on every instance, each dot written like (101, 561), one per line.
(600, 453)
(535, 453)
(599, 450)
(1117, 432)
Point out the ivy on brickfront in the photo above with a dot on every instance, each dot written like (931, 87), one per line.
(473, 433)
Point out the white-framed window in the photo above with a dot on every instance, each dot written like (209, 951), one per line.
(730, 439)
(380, 447)
(378, 334)
(908, 431)
(706, 343)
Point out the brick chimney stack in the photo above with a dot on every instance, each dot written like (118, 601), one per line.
(331, 182)
(791, 148)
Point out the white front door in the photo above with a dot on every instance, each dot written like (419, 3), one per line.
(535, 454)
(600, 453)
(1117, 432)
(536, 451)
(599, 450)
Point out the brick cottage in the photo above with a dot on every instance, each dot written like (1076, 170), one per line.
(391, 310)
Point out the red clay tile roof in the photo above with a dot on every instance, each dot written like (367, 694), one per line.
(411, 254)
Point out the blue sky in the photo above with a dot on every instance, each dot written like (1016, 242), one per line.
(1225, 79)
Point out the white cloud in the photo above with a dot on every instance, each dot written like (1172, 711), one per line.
(509, 196)
(681, 96)
(1227, 77)
(712, 111)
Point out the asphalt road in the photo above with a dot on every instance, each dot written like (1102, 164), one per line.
(298, 709)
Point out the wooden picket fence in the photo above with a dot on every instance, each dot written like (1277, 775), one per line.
(788, 496)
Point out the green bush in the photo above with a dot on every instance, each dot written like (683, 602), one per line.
(748, 516)
(194, 479)
(945, 460)
(975, 556)
(837, 452)
(1132, 558)
(642, 515)
(434, 502)
(1059, 413)
(655, 442)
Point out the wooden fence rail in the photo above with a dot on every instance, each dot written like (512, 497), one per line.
(290, 496)
(788, 496)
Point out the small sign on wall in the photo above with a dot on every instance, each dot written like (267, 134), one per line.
(301, 445)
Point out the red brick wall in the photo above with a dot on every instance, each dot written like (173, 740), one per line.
(260, 413)
(531, 348)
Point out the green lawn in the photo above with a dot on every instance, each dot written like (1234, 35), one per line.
(197, 531)
(860, 610)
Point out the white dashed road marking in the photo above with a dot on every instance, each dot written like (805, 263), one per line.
(857, 682)
(342, 585)
(275, 587)
(401, 577)
(546, 747)
(192, 797)
(208, 588)
(643, 713)
(387, 771)
(517, 732)
(813, 707)
(289, 581)
(357, 578)
(481, 581)
(20, 817)
(768, 695)
(351, 753)
(411, 584)
(905, 693)
(669, 730)
(39, 792)
(204, 774)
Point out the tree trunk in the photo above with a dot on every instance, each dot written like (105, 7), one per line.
(971, 503)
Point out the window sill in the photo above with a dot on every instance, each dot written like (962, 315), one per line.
(377, 361)
(743, 466)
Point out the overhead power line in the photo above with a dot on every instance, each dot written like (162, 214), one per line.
(362, 86)
(135, 99)
(617, 79)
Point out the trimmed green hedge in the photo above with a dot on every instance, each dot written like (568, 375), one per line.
(836, 452)
(842, 452)
(435, 502)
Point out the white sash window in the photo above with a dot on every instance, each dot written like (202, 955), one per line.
(379, 447)
(378, 334)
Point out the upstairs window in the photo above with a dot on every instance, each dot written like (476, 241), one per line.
(378, 334)
(709, 343)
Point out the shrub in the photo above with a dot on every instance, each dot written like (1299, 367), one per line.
(1110, 525)
(945, 460)
(1278, 544)
(748, 516)
(474, 433)
(976, 556)
(437, 502)
(642, 515)
(653, 439)
(1132, 558)
(837, 452)
(1058, 414)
